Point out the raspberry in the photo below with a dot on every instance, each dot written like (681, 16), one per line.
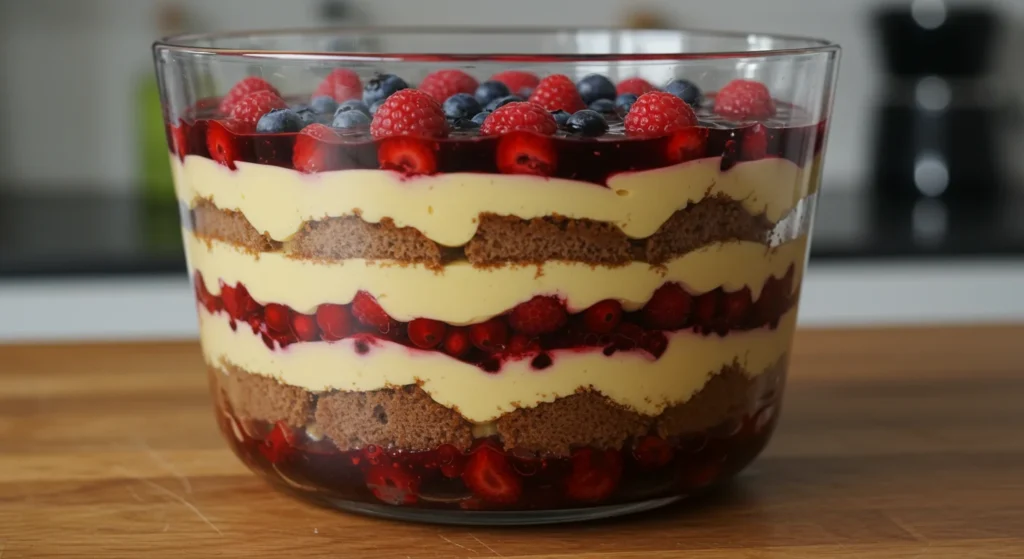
(314, 149)
(745, 100)
(223, 144)
(557, 92)
(409, 156)
(525, 153)
(242, 89)
(540, 315)
(368, 312)
(409, 112)
(489, 336)
(426, 333)
(687, 144)
(636, 86)
(603, 317)
(249, 110)
(754, 143)
(669, 307)
(516, 80)
(519, 117)
(442, 84)
(657, 113)
(341, 85)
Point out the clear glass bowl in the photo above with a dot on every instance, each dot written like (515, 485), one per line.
(415, 309)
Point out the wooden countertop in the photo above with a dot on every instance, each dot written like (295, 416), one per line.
(893, 443)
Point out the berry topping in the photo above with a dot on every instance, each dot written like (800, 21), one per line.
(442, 84)
(594, 87)
(525, 153)
(457, 342)
(634, 86)
(277, 446)
(489, 91)
(587, 123)
(603, 317)
(392, 485)
(654, 343)
(658, 113)
(652, 452)
(687, 144)
(489, 336)
(745, 100)
(624, 102)
(353, 105)
(253, 106)
(314, 149)
(409, 112)
(557, 92)
(340, 85)
(278, 121)
(502, 101)
(517, 81)
(561, 117)
(366, 310)
(179, 140)
(595, 474)
(754, 143)
(685, 90)
(305, 328)
(334, 320)
(490, 477)
(242, 89)
(520, 344)
(524, 117)
(602, 106)
(426, 333)
(237, 302)
(222, 142)
(381, 87)
(277, 317)
(409, 156)
(461, 105)
(324, 105)
(540, 315)
(350, 120)
(669, 307)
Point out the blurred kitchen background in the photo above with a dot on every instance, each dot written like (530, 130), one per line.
(922, 218)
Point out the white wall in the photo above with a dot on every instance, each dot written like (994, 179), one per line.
(81, 56)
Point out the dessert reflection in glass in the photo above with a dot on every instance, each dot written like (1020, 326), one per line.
(496, 288)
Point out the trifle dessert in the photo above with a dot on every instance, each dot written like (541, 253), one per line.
(496, 288)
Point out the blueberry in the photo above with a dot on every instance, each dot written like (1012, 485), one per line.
(480, 117)
(466, 124)
(587, 123)
(461, 105)
(603, 106)
(502, 101)
(353, 105)
(491, 90)
(594, 87)
(525, 92)
(307, 115)
(346, 120)
(624, 102)
(279, 120)
(381, 87)
(324, 105)
(685, 90)
(561, 117)
(375, 106)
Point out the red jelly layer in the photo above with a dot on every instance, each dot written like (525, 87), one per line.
(489, 478)
(530, 330)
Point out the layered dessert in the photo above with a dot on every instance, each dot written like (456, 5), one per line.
(523, 293)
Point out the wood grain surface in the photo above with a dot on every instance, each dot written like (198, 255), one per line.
(893, 443)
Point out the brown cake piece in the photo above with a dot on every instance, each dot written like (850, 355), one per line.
(211, 222)
(404, 417)
(501, 239)
(713, 219)
(338, 238)
(583, 419)
(263, 398)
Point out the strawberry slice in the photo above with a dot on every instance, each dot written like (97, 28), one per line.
(409, 156)
(179, 140)
(755, 143)
(489, 336)
(525, 153)
(392, 485)
(223, 142)
(490, 477)
(237, 301)
(595, 474)
(457, 343)
(212, 302)
(334, 320)
(687, 144)
(278, 317)
(277, 447)
(369, 313)
(652, 452)
(315, 149)
(304, 327)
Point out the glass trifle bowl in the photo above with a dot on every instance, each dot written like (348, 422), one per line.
(545, 276)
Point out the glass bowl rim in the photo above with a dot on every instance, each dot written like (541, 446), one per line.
(185, 43)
